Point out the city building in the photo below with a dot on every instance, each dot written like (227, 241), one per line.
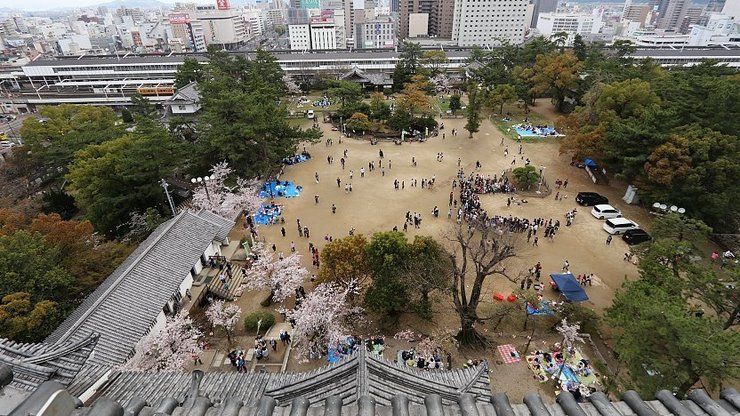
(543, 6)
(570, 23)
(439, 18)
(299, 37)
(721, 29)
(714, 6)
(186, 101)
(491, 22)
(636, 13)
(732, 8)
(323, 33)
(669, 14)
(222, 27)
(418, 25)
(379, 32)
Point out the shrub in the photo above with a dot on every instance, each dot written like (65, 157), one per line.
(250, 322)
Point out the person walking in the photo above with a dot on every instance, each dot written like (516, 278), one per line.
(316, 199)
(609, 240)
(316, 176)
(333, 209)
(566, 266)
(282, 231)
(339, 183)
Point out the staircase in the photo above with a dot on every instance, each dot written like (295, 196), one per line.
(236, 284)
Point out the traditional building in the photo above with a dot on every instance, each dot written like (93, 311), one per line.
(186, 101)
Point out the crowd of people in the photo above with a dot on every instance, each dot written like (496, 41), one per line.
(301, 157)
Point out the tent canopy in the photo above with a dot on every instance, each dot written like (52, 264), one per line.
(590, 163)
(569, 287)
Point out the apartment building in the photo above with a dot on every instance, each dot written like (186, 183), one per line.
(490, 22)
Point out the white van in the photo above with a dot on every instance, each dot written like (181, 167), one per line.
(310, 114)
(605, 212)
(619, 225)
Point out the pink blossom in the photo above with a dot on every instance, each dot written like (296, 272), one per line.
(225, 201)
(282, 277)
(168, 349)
(323, 318)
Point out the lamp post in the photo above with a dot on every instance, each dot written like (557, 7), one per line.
(166, 188)
(204, 180)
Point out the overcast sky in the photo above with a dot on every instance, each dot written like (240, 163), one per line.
(36, 5)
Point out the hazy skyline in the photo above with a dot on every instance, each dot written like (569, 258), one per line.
(41, 5)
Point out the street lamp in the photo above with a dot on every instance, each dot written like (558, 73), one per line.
(204, 180)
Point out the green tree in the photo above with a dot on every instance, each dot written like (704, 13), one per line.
(347, 92)
(579, 47)
(113, 179)
(526, 176)
(433, 61)
(191, 70)
(345, 260)
(25, 321)
(359, 123)
(59, 202)
(557, 74)
(409, 63)
(143, 109)
(473, 110)
(388, 254)
(430, 270)
(501, 95)
(455, 104)
(126, 116)
(243, 120)
(379, 109)
(67, 129)
(28, 265)
(669, 346)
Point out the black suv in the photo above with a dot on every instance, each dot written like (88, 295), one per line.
(636, 236)
(590, 199)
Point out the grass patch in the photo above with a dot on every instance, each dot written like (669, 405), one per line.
(517, 117)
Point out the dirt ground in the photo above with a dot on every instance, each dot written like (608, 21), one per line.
(374, 205)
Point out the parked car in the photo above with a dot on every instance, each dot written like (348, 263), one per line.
(619, 225)
(310, 114)
(636, 236)
(588, 199)
(605, 211)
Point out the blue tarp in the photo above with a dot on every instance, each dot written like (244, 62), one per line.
(268, 214)
(274, 189)
(544, 309)
(569, 287)
(590, 163)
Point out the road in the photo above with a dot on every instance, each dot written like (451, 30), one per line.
(13, 128)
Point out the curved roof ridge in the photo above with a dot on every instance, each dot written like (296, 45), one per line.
(59, 350)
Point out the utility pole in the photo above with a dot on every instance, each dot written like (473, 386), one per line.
(165, 185)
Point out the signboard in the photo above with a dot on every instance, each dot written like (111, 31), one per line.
(310, 4)
(222, 4)
(179, 18)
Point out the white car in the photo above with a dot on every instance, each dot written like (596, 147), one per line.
(605, 212)
(310, 114)
(619, 225)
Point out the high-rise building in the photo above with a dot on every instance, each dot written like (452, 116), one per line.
(571, 23)
(440, 14)
(669, 14)
(732, 8)
(490, 22)
(223, 27)
(379, 32)
(636, 13)
(714, 6)
(693, 15)
(542, 6)
(299, 37)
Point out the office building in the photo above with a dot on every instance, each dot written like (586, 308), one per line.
(636, 13)
(719, 30)
(222, 27)
(299, 37)
(490, 22)
(669, 14)
(439, 17)
(714, 6)
(543, 6)
(418, 25)
(570, 23)
(379, 32)
(732, 8)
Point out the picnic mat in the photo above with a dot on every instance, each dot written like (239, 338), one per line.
(268, 214)
(509, 354)
(273, 189)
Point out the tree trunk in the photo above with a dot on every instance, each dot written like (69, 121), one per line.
(468, 335)
(688, 384)
(733, 317)
(268, 301)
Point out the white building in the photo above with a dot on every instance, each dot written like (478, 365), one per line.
(223, 27)
(490, 22)
(323, 35)
(570, 23)
(418, 25)
(255, 22)
(299, 37)
(376, 33)
(721, 29)
(732, 8)
(74, 44)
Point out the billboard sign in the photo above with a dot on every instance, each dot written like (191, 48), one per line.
(179, 18)
(222, 4)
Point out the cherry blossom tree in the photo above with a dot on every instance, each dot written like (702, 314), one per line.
(570, 336)
(282, 277)
(291, 85)
(442, 83)
(168, 349)
(322, 320)
(224, 316)
(215, 196)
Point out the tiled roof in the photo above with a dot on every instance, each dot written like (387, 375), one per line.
(124, 307)
(35, 363)
(189, 94)
(355, 376)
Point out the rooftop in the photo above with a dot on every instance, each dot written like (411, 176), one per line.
(124, 307)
